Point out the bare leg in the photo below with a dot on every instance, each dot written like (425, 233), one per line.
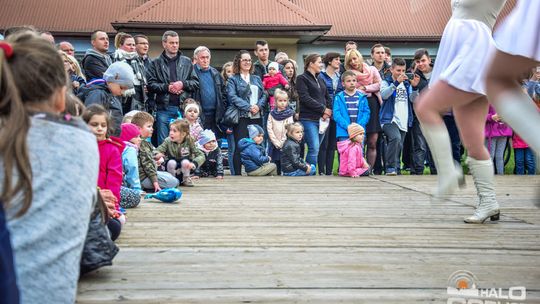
(471, 121)
(429, 109)
(504, 91)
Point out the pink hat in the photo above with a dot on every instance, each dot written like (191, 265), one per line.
(129, 131)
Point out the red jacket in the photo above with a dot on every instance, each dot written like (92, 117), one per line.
(110, 166)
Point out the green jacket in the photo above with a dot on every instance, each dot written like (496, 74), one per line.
(147, 165)
(184, 150)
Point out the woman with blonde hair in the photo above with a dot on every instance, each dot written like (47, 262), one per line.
(368, 81)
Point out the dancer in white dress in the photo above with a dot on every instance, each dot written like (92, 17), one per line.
(457, 83)
(518, 43)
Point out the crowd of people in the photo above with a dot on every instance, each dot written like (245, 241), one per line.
(143, 125)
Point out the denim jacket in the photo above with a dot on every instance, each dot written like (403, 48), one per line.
(239, 93)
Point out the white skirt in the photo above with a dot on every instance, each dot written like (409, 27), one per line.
(464, 55)
(519, 33)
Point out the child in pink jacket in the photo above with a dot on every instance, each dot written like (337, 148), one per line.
(351, 155)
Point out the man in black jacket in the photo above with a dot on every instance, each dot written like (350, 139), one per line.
(211, 93)
(172, 78)
(96, 60)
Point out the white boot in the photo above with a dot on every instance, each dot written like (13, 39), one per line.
(483, 176)
(449, 173)
(518, 110)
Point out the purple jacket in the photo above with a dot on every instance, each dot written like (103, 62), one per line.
(494, 128)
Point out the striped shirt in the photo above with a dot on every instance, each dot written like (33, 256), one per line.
(352, 105)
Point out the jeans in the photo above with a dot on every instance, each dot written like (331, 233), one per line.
(165, 180)
(328, 150)
(525, 159)
(419, 148)
(230, 151)
(455, 141)
(496, 146)
(313, 139)
(301, 172)
(163, 118)
(394, 143)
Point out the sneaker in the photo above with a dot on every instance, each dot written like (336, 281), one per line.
(188, 182)
(391, 172)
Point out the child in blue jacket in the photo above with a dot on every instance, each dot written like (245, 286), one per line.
(350, 106)
(253, 155)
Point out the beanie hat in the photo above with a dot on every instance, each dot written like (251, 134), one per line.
(254, 130)
(191, 105)
(206, 136)
(120, 73)
(274, 65)
(129, 131)
(354, 129)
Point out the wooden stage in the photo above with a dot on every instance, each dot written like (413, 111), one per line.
(320, 240)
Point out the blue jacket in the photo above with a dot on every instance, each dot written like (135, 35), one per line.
(329, 86)
(341, 114)
(253, 156)
(239, 93)
(388, 94)
(130, 165)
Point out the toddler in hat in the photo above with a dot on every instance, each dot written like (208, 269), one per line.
(351, 156)
(253, 155)
(272, 81)
(130, 192)
(213, 166)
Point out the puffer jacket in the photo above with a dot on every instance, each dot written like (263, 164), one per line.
(110, 166)
(351, 159)
(253, 156)
(291, 157)
(158, 79)
(239, 94)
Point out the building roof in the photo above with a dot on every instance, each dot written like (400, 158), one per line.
(385, 20)
(65, 16)
(368, 20)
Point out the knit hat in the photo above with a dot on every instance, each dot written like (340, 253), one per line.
(354, 129)
(274, 65)
(190, 106)
(120, 73)
(129, 131)
(254, 130)
(206, 136)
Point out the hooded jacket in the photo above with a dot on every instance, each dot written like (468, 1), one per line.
(291, 157)
(495, 128)
(253, 156)
(110, 166)
(351, 158)
(95, 64)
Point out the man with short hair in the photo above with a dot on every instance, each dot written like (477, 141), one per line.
(142, 46)
(378, 55)
(96, 60)
(211, 93)
(172, 78)
(67, 48)
(396, 113)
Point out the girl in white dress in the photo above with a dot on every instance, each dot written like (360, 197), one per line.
(457, 83)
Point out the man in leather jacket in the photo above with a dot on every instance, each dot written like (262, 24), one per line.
(172, 78)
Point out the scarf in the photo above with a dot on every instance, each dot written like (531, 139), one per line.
(365, 77)
(282, 115)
